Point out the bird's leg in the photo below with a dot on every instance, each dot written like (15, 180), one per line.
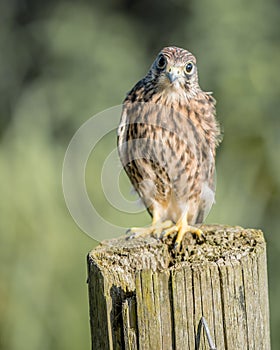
(155, 229)
(182, 227)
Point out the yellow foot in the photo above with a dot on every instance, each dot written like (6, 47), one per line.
(181, 231)
(155, 229)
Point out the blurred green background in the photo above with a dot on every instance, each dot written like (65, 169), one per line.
(63, 61)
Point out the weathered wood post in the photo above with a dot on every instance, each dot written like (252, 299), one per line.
(143, 296)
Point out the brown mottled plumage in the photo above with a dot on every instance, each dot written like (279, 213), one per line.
(166, 140)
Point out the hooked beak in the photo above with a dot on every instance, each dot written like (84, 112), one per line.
(173, 73)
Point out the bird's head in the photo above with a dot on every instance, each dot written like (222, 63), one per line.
(175, 69)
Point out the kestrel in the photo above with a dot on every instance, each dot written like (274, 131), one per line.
(167, 141)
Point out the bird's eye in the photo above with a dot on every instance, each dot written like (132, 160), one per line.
(189, 67)
(161, 62)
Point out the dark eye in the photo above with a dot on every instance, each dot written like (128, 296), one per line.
(161, 62)
(189, 67)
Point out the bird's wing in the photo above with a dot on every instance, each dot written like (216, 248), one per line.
(207, 197)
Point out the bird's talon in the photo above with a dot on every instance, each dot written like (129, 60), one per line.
(202, 236)
(156, 234)
(199, 235)
(154, 230)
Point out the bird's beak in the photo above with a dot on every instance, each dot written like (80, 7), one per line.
(173, 73)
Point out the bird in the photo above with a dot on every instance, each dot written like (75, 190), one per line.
(167, 139)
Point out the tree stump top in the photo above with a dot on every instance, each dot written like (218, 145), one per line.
(144, 295)
(222, 245)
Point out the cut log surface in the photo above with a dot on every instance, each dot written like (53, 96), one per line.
(145, 296)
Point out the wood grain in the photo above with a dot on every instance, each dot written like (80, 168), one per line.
(144, 296)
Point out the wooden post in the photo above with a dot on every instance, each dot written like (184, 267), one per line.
(144, 296)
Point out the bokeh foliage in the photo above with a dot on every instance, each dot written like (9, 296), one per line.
(63, 61)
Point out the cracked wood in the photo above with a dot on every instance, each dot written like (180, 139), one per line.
(144, 296)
